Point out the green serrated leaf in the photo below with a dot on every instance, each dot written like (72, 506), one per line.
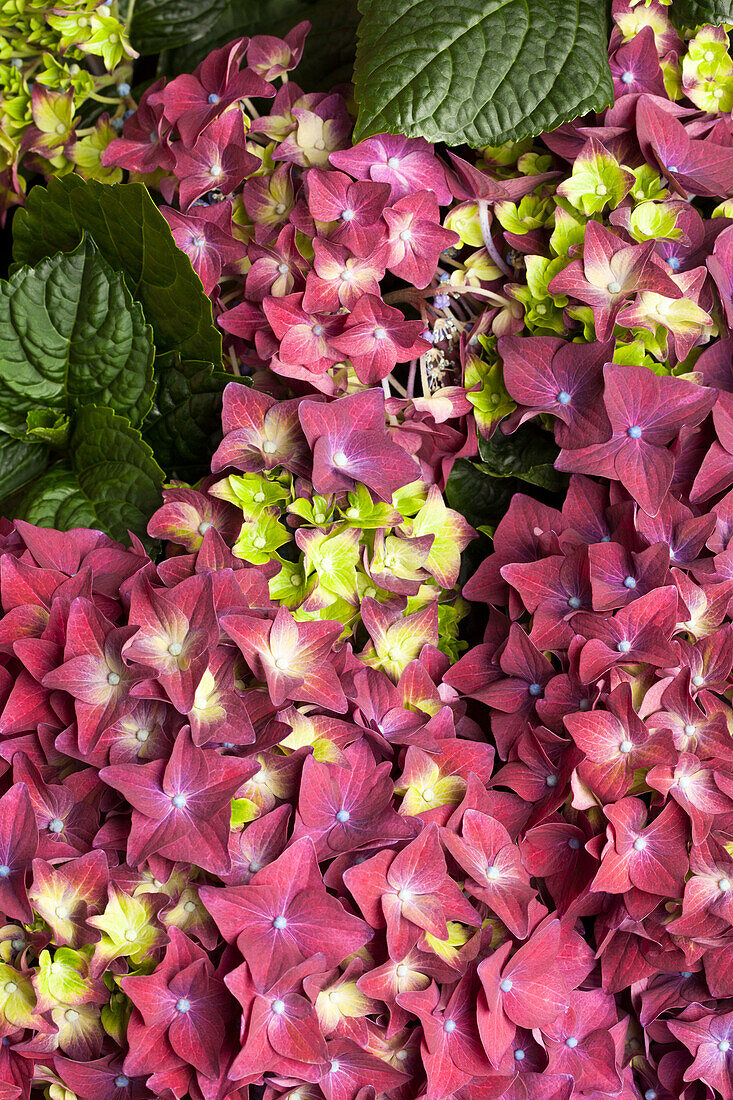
(528, 454)
(693, 13)
(71, 335)
(20, 462)
(184, 428)
(329, 50)
(482, 72)
(110, 481)
(134, 238)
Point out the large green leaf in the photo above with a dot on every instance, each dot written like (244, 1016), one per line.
(528, 454)
(482, 499)
(184, 428)
(329, 49)
(110, 480)
(134, 238)
(71, 335)
(479, 71)
(161, 24)
(692, 13)
(56, 500)
(20, 462)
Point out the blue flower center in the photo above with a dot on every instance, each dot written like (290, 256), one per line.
(564, 397)
(574, 601)
(535, 689)
(674, 262)
(571, 1042)
(623, 647)
(519, 1055)
(213, 99)
(122, 1082)
(629, 582)
(449, 1026)
(4, 870)
(627, 77)
(183, 1005)
(634, 432)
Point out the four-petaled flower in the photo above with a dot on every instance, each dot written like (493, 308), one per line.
(181, 807)
(645, 413)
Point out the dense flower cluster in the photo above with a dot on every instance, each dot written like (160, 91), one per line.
(261, 822)
(221, 819)
(188, 765)
(333, 510)
(295, 233)
(58, 62)
(608, 672)
(589, 234)
(625, 240)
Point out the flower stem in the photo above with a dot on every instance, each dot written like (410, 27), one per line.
(481, 293)
(424, 377)
(483, 214)
(411, 379)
